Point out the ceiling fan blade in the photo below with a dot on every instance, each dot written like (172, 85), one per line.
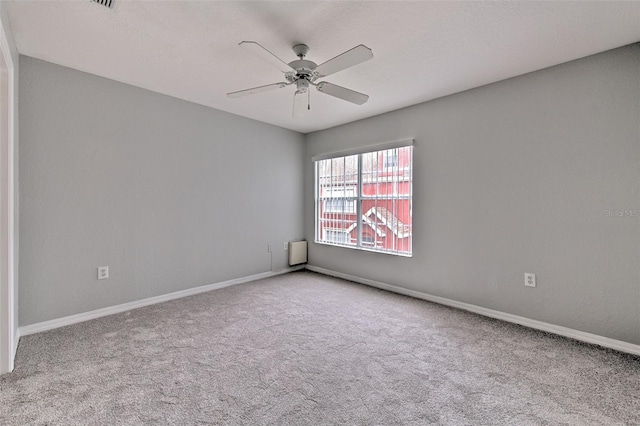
(342, 93)
(258, 89)
(300, 103)
(347, 59)
(267, 56)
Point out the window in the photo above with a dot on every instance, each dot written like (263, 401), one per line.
(365, 200)
(335, 235)
(340, 200)
(338, 205)
(368, 240)
(391, 159)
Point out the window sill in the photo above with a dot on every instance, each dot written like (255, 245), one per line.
(389, 253)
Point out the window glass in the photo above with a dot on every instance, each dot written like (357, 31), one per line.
(365, 200)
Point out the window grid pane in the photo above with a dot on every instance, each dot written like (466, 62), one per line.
(379, 190)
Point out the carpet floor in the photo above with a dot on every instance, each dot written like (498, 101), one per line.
(306, 349)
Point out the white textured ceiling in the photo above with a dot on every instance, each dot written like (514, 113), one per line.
(422, 50)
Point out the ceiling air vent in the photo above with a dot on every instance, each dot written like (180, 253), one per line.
(106, 3)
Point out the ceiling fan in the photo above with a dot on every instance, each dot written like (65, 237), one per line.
(304, 73)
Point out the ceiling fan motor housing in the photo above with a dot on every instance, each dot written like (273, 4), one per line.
(304, 69)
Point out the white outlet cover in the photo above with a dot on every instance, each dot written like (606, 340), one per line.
(103, 272)
(529, 279)
(286, 246)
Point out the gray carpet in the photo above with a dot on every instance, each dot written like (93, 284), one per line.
(306, 349)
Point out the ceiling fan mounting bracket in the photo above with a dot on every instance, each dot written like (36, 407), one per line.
(301, 50)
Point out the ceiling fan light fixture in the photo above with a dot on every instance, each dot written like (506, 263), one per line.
(302, 85)
(301, 102)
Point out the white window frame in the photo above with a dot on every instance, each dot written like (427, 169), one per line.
(360, 197)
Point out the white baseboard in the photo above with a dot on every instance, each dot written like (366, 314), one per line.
(86, 316)
(16, 339)
(538, 325)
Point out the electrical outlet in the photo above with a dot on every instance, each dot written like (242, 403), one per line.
(286, 246)
(103, 272)
(269, 248)
(529, 279)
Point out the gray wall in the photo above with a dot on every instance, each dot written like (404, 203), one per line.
(517, 177)
(169, 194)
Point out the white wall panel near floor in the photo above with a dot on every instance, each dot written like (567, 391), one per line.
(8, 195)
(169, 194)
(524, 175)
